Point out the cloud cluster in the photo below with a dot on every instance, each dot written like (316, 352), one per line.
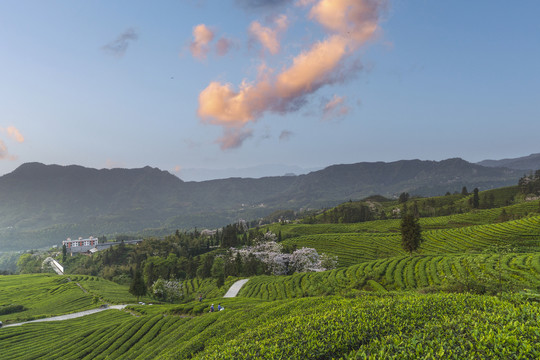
(233, 137)
(348, 24)
(202, 37)
(268, 36)
(4, 154)
(223, 46)
(14, 134)
(335, 108)
(119, 46)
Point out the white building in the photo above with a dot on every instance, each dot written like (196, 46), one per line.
(80, 245)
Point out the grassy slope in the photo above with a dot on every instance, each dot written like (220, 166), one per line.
(516, 271)
(453, 326)
(462, 233)
(46, 295)
(271, 319)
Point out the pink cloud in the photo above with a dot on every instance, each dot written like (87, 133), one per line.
(15, 134)
(4, 153)
(233, 138)
(202, 36)
(356, 20)
(349, 23)
(267, 36)
(336, 107)
(311, 69)
(223, 46)
(220, 104)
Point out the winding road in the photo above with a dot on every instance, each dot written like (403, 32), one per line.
(232, 292)
(235, 288)
(69, 316)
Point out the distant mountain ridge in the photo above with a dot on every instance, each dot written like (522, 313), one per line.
(201, 174)
(41, 205)
(531, 162)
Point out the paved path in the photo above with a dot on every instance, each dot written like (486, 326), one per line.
(70, 316)
(235, 288)
(59, 269)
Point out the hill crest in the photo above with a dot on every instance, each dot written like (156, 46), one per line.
(43, 204)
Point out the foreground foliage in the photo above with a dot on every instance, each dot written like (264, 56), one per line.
(452, 326)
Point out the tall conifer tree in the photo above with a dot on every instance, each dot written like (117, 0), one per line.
(411, 233)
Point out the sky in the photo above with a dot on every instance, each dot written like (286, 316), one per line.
(231, 84)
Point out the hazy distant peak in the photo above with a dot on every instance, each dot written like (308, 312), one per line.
(530, 162)
(253, 172)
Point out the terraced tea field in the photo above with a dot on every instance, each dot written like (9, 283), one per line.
(402, 273)
(353, 248)
(453, 326)
(46, 295)
(380, 302)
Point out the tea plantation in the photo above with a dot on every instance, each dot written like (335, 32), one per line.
(471, 292)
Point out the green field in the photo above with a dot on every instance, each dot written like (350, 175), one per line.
(471, 292)
(450, 326)
(509, 271)
(46, 295)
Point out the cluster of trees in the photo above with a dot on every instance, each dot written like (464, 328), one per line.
(278, 260)
(360, 211)
(157, 266)
(8, 262)
(177, 255)
(30, 262)
(347, 213)
(530, 184)
(351, 212)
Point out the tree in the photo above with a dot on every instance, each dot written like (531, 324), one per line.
(464, 191)
(167, 290)
(205, 269)
(229, 237)
(64, 253)
(415, 210)
(218, 267)
(411, 233)
(504, 216)
(28, 264)
(403, 197)
(137, 287)
(476, 199)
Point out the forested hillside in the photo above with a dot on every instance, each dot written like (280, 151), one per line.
(41, 205)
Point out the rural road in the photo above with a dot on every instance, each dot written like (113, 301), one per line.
(235, 288)
(70, 316)
(233, 291)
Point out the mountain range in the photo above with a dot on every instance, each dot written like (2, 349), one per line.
(41, 205)
(526, 163)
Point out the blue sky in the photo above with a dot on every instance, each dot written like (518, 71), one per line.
(128, 83)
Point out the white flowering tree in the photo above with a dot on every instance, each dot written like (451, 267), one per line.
(270, 252)
(167, 290)
(305, 259)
